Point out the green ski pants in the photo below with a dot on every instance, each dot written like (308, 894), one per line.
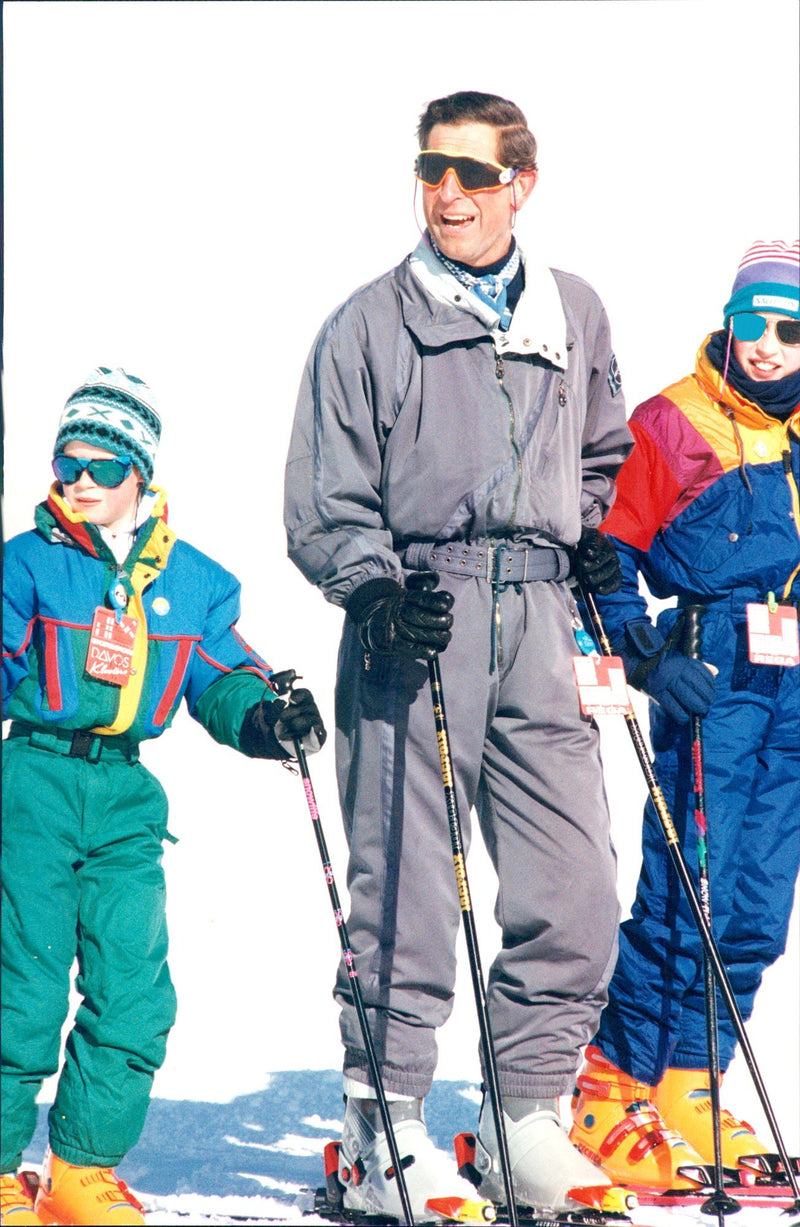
(82, 878)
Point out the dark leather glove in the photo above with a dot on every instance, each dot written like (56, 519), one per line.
(595, 563)
(270, 727)
(397, 621)
(683, 687)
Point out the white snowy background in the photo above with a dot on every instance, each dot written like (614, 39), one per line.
(190, 188)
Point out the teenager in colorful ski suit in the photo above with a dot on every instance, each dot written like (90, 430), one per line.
(708, 512)
(462, 416)
(109, 622)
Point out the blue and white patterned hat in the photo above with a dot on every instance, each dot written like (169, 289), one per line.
(115, 411)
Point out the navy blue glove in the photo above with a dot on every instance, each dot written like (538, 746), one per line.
(595, 563)
(397, 621)
(683, 687)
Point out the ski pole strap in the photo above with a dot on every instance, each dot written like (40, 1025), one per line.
(498, 563)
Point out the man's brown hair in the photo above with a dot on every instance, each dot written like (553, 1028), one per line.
(516, 144)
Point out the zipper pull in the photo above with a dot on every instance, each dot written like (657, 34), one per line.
(499, 370)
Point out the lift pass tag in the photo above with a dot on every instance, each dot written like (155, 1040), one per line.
(772, 637)
(111, 647)
(602, 688)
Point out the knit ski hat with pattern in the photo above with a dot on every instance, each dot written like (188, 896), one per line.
(115, 411)
(767, 280)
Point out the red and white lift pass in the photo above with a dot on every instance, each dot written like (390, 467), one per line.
(772, 635)
(602, 688)
(111, 647)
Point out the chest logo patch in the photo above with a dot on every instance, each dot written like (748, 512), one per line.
(161, 606)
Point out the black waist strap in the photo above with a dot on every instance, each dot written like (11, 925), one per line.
(75, 743)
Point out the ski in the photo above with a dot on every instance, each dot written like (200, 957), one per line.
(442, 1210)
(760, 1181)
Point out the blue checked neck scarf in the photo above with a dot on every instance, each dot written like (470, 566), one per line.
(490, 288)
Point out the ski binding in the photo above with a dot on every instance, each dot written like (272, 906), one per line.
(593, 1206)
(329, 1202)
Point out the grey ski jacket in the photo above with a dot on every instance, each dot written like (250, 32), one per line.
(418, 421)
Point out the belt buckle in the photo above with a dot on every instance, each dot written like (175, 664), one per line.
(500, 550)
(86, 745)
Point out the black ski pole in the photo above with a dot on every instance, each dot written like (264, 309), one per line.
(720, 1203)
(419, 579)
(706, 936)
(283, 683)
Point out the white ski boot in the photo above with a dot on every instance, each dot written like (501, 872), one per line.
(545, 1167)
(365, 1165)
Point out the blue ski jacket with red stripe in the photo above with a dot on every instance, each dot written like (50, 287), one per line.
(185, 606)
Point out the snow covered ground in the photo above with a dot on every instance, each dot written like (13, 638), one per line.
(260, 1156)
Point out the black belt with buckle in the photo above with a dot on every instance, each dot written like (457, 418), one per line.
(75, 743)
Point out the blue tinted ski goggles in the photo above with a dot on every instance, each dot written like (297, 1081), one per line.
(107, 472)
(750, 327)
(431, 166)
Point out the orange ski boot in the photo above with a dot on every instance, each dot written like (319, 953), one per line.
(617, 1126)
(85, 1195)
(16, 1201)
(683, 1098)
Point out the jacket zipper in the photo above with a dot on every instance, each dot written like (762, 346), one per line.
(499, 371)
(497, 621)
(795, 500)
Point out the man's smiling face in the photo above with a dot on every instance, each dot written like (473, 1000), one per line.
(472, 227)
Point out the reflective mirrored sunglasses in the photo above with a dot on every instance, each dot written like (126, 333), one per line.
(431, 167)
(109, 473)
(750, 327)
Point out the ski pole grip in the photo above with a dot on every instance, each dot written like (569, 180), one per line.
(282, 682)
(693, 631)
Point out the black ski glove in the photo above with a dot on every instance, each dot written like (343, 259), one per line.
(269, 728)
(411, 622)
(682, 686)
(595, 563)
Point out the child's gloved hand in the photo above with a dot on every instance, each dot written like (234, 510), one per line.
(684, 687)
(300, 719)
(270, 727)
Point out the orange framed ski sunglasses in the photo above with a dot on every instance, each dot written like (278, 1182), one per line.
(431, 166)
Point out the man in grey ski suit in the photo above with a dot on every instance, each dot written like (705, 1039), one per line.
(444, 427)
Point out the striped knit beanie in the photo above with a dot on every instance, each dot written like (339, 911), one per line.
(116, 412)
(767, 280)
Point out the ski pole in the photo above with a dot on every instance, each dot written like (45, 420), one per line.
(283, 683)
(420, 580)
(473, 954)
(719, 1203)
(706, 936)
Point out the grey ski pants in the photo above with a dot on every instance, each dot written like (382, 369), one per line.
(529, 764)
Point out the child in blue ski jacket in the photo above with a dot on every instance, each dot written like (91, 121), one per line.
(708, 511)
(109, 622)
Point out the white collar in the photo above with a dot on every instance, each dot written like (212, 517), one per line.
(121, 542)
(537, 325)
